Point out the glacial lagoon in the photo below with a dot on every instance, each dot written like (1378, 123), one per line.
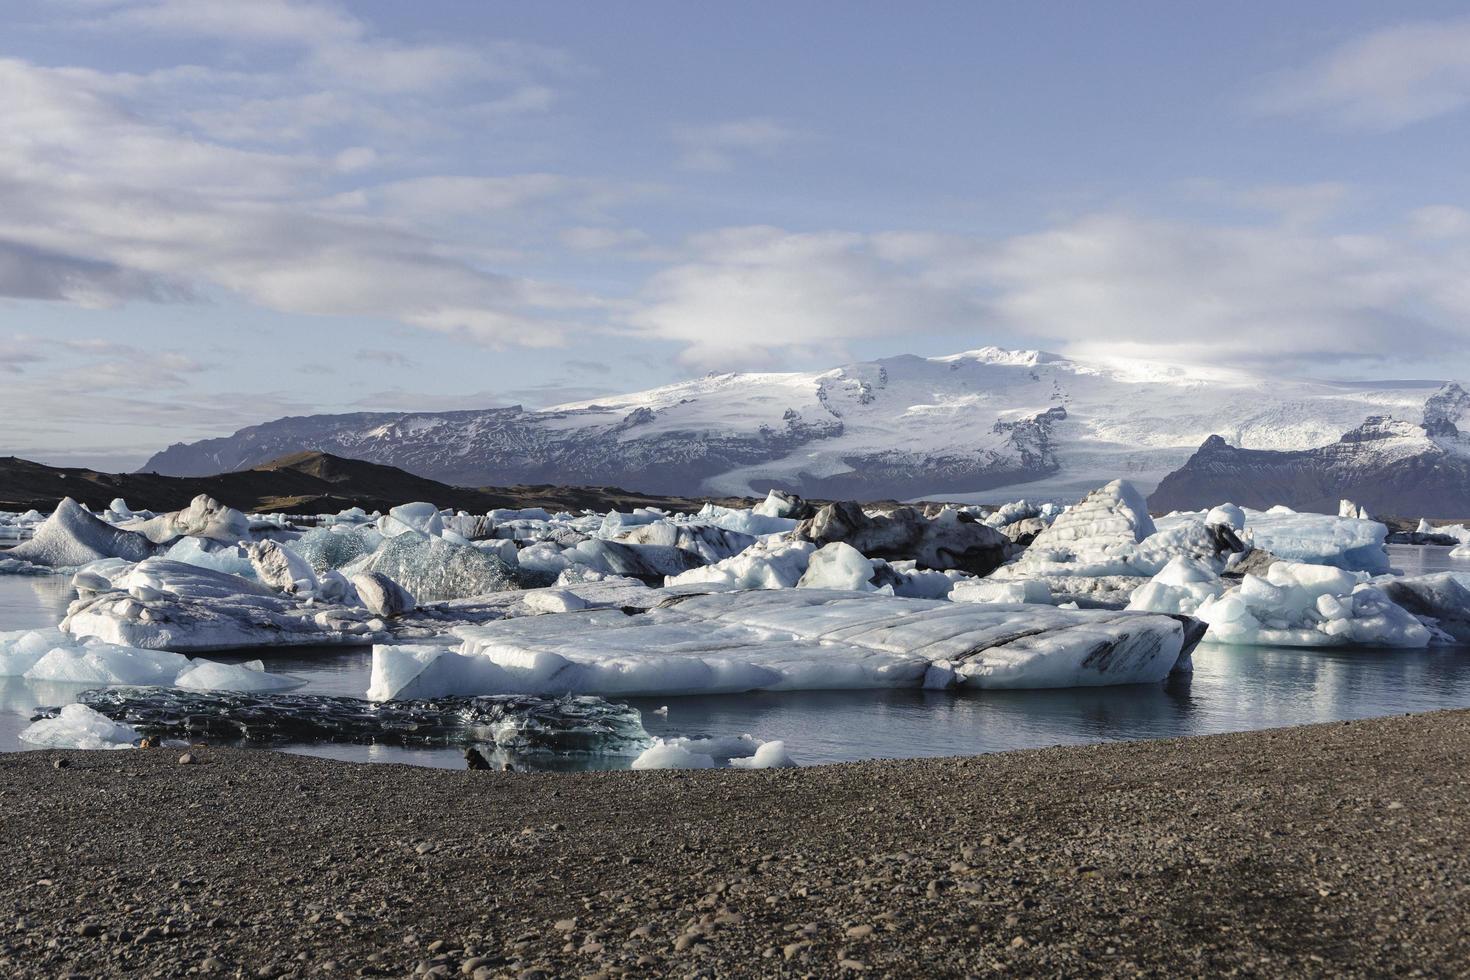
(1232, 688)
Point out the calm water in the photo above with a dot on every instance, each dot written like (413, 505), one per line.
(1232, 689)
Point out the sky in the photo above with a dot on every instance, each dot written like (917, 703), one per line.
(214, 213)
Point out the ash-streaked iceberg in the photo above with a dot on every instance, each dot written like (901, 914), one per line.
(512, 723)
(787, 640)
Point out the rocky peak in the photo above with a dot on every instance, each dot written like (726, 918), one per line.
(1444, 410)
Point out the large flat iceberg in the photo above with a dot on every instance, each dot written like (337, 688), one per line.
(786, 640)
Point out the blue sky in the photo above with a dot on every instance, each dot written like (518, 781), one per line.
(213, 213)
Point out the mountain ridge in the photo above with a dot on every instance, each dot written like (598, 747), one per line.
(985, 423)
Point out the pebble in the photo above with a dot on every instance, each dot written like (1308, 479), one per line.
(188, 759)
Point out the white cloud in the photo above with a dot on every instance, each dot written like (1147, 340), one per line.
(1267, 294)
(101, 204)
(1385, 80)
(1278, 295)
(1440, 221)
(719, 146)
(750, 295)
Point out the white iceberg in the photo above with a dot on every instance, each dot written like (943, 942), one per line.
(790, 639)
(1298, 604)
(1180, 587)
(79, 727)
(71, 537)
(205, 517)
(744, 752)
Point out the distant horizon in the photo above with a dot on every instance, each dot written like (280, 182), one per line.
(219, 213)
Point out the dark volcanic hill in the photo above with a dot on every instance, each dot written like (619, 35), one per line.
(1386, 465)
(301, 483)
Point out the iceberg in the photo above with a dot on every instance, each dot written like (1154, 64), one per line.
(1101, 550)
(76, 726)
(789, 639)
(520, 724)
(71, 537)
(705, 541)
(1306, 605)
(1180, 587)
(770, 563)
(434, 568)
(382, 596)
(838, 566)
(51, 655)
(281, 568)
(952, 540)
(1351, 543)
(205, 517)
(420, 517)
(336, 545)
(744, 752)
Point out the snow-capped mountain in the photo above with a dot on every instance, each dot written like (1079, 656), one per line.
(985, 424)
(1390, 466)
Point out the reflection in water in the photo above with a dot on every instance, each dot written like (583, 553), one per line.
(1232, 689)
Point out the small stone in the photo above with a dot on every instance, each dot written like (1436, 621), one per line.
(856, 966)
(859, 932)
(188, 759)
(62, 763)
(564, 925)
(89, 929)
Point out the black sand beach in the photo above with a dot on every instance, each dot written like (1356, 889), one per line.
(1334, 849)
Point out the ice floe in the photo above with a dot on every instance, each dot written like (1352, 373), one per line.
(76, 726)
(794, 639)
(514, 723)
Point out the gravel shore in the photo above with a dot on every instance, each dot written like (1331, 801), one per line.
(1333, 849)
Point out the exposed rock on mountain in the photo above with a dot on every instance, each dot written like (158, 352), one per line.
(1385, 465)
(980, 423)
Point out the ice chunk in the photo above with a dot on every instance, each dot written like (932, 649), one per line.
(707, 753)
(744, 521)
(421, 517)
(768, 564)
(229, 558)
(1012, 591)
(707, 542)
(381, 595)
(649, 562)
(771, 755)
(1182, 585)
(336, 545)
(1350, 543)
(207, 675)
(20, 649)
(1227, 514)
(672, 755)
(1441, 601)
(1298, 604)
(520, 724)
(434, 569)
(205, 517)
(837, 566)
(1108, 520)
(78, 727)
(107, 663)
(71, 536)
(953, 539)
(281, 568)
(778, 503)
